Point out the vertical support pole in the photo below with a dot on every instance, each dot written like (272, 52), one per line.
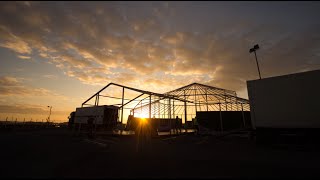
(153, 110)
(164, 109)
(195, 101)
(95, 102)
(237, 101)
(122, 104)
(169, 109)
(150, 106)
(225, 100)
(169, 115)
(159, 108)
(173, 108)
(207, 99)
(257, 63)
(243, 118)
(98, 96)
(221, 125)
(185, 111)
(168, 105)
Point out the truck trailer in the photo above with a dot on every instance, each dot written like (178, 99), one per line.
(103, 117)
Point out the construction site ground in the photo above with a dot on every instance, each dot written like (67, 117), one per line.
(60, 153)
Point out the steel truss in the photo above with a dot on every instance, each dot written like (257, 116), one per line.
(183, 102)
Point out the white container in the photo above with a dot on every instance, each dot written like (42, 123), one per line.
(289, 101)
(100, 114)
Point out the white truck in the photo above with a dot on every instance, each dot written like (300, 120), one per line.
(102, 116)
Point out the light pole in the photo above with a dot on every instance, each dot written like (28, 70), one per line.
(256, 47)
(49, 113)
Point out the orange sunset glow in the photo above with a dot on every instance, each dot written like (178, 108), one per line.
(60, 53)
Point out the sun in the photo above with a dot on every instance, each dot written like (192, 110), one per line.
(141, 115)
(143, 120)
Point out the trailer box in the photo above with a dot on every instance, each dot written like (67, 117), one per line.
(288, 103)
(231, 120)
(102, 115)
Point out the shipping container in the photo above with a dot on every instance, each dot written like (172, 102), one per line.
(224, 120)
(157, 124)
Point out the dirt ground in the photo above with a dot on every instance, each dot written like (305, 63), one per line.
(58, 153)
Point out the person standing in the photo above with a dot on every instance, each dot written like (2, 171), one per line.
(177, 125)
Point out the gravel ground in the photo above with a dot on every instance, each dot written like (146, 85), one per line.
(58, 153)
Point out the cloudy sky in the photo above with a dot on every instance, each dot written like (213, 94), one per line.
(60, 53)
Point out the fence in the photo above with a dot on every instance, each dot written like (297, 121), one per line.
(15, 124)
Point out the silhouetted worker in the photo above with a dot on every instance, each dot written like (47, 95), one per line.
(90, 127)
(177, 125)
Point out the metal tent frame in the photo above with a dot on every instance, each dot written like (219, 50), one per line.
(183, 102)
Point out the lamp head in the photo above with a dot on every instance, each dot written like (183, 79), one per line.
(255, 47)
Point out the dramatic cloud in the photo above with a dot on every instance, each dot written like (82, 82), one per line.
(50, 76)
(11, 86)
(24, 57)
(162, 45)
(13, 42)
(8, 81)
(21, 100)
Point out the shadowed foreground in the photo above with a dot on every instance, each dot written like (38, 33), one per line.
(58, 153)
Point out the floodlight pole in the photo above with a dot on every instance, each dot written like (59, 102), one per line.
(257, 63)
(122, 104)
(256, 47)
(49, 114)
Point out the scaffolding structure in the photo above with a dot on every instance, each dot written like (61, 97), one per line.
(197, 97)
(183, 102)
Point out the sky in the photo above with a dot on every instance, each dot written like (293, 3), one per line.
(60, 53)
